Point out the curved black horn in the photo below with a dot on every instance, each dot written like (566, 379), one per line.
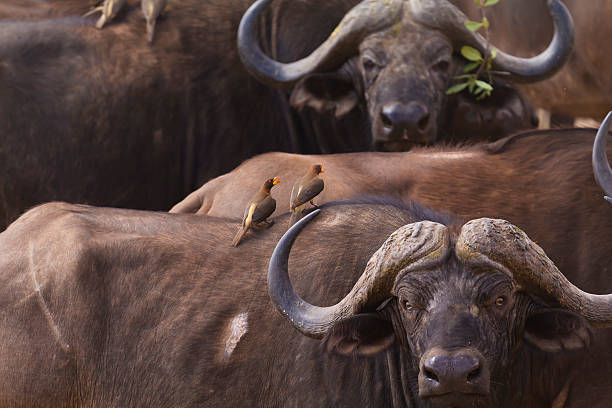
(306, 317)
(367, 17)
(447, 18)
(413, 246)
(502, 246)
(601, 166)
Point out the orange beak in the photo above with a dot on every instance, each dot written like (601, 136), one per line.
(322, 171)
(275, 181)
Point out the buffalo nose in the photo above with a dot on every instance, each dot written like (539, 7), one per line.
(443, 372)
(405, 121)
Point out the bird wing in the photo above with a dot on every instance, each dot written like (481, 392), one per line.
(308, 192)
(264, 209)
(248, 215)
(294, 192)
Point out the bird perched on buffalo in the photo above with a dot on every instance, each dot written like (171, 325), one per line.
(109, 10)
(260, 207)
(304, 191)
(151, 9)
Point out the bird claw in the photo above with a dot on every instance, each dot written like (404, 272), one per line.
(151, 9)
(109, 10)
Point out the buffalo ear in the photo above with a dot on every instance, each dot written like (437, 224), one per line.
(363, 334)
(554, 330)
(326, 92)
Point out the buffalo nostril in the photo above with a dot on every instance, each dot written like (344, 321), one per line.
(386, 120)
(430, 374)
(423, 122)
(474, 374)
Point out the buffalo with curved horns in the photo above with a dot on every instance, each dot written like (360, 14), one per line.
(103, 117)
(109, 308)
(399, 57)
(471, 306)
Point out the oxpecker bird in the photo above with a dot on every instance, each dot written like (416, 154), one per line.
(261, 206)
(304, 191)
(109, 10)
(151, 9)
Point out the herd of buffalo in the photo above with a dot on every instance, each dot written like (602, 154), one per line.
(450, 254)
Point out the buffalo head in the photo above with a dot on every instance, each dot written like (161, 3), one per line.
(460, 301)
(397, 57)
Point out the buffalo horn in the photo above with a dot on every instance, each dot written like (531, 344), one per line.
(418, 245)
(500, 245)
(367, 17)
(601, 166)
(443, 16)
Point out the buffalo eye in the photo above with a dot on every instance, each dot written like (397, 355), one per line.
(409, 306)
(371, 69)
(369, 64)
(500, 301)
(441, 67)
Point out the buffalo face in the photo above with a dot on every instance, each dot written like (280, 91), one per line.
(471, 310)
(461, 328)
(395, 59)
(399, 76)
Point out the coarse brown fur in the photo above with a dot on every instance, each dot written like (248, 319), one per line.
(541, 181)
(134, 309)
(103, 117)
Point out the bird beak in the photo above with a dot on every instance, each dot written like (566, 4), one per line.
(275, 181)
(321, 168)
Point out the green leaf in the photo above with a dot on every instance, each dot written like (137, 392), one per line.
(491, 3)
(456, 88)
(471, 66)
(485, 22)
(471, 86)
(484, 85)
(478, 90)
(493, 53)
(471, 53)
(466, 76)
(473, 25)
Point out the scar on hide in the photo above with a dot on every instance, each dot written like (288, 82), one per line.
(58, 336)
(238, 328)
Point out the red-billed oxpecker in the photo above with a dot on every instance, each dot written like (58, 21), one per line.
(304, 191)
(261, 206)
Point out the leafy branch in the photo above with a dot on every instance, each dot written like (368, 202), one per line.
(477, 64)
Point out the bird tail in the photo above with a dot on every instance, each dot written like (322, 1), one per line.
(239, 235)
(150, 29)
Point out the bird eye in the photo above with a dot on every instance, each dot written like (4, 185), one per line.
(500, 301)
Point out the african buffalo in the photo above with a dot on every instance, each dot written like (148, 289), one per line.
(482, 317)
(540, 180)
(583, 87)
(118, 308)
(102, 117)
(394, 59)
